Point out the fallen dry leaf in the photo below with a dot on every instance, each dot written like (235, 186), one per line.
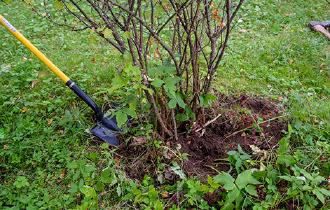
(157, 54)
(165, 194)
(140, 140)
(24, 109)
(168, 154)
(49, 121)
(33, 84)
(117, 161)
(257, 151)
(63, 173)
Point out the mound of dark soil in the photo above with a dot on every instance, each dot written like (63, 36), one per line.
(243, 121)
(234, 121)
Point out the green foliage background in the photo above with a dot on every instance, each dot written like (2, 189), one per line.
(49, 161)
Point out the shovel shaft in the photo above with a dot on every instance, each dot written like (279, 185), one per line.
(33, 49)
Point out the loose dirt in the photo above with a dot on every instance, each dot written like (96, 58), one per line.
(242, 120)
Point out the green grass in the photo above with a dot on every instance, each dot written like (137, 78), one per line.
(42, 124)
(276, 55)
(46, 153)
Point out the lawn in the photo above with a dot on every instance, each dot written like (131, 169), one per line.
(49, 160)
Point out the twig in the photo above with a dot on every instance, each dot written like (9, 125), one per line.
(211, 167)
(174, 125)
(208, 123)
(244, 129)
(315, 159)
(151, 31)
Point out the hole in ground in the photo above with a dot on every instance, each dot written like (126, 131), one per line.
(241, 120)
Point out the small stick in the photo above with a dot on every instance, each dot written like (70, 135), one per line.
(211, 167)
(174, 125)
(208, 123)
(244, 129)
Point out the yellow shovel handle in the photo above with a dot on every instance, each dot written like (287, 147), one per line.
(33, 49)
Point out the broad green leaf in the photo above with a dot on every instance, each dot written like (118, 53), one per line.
(171, 81)
(99, 186)
(228, 206)
(73, 165)
(131, 112)
(152, 194)
(245, 178)
(283, 146)
(233, 195)
(88, 191)
(306, 174)
(170, 85)
(74, 188)
(87, 170)
(180, 101)
(93, 156)
(181, 117)
(121, 118)
(226, 180)
(116, 83)
(319, 195)
(169, 70)
(325, 192)
(21, 181)
(105, 146)
(283, 150)
(157, 83)
(158, 205)
(206, 100)
(258, 206)
(106, 176)
(306, 188)
(172, 103)
(130, 70)
(287, 160)
(155, 72)
(287, 178)
(251, 189)
(178, 171)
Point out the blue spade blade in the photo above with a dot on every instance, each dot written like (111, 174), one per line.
(106, 134)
